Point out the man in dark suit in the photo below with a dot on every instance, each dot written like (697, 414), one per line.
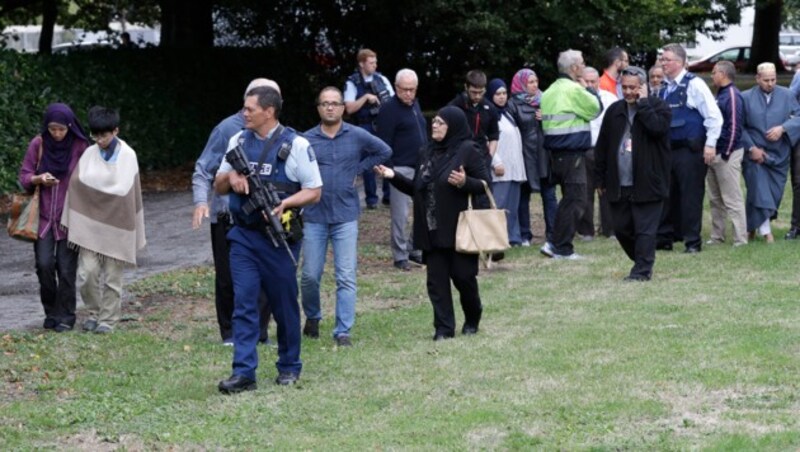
(632, 169)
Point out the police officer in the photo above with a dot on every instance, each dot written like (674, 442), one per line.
(364, 93)
(280, 156)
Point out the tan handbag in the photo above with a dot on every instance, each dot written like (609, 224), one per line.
(23, 222)
(482, 231)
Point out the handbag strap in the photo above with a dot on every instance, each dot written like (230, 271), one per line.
(488, 194)
(41, 149)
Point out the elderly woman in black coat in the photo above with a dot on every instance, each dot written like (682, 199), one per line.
(448, 171)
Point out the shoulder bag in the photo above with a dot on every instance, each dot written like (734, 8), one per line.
(482, 231)
(23, 223)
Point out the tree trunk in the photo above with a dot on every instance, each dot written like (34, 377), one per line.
(49, 15)
(766, 34)
(186, 26)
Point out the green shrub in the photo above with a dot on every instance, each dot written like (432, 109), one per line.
(169, 99)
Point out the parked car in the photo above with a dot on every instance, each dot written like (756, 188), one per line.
(739, 56)
(789, 43)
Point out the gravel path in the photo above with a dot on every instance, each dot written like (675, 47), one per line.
(171, 244)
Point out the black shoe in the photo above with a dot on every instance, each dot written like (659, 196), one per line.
(416, 258)
(692, 250)
(635, 278)
(49, 324)
(469, 330)
(385, 201)
(311, 328)
(792, 234)
(343, 340)
(62, 327)
(287, 378)
(664, 246)
(236, 383)
(372, 206)
(441, 336)
(497, 257)
(402, 265)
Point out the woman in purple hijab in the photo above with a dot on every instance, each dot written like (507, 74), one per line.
(62, 142)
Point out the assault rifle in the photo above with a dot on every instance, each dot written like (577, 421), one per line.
(263, 198)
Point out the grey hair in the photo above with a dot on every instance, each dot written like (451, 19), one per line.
(636, 72)
(591, 70)
(406, 73)
(727, 68)
(262, 82)
(677, 49)
(568, 58)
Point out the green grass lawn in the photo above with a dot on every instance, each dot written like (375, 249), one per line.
(705, 356)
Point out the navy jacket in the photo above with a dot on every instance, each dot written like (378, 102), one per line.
(403, 128)
(731, 104)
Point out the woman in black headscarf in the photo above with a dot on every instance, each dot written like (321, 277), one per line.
(449, 170)
(48, 163)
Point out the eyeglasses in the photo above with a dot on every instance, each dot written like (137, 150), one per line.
(331, 104)
(438, 122)
(102, 136)
(406, 90)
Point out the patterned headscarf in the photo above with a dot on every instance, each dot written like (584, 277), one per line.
(519, 87)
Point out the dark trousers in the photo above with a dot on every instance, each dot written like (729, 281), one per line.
(795, 173)
(636, 225)
(549, 209)
(569, 171)
(257, 266)
(444, 264)
(586, 222)
(223, 286)
(682, 216)
(56, 267)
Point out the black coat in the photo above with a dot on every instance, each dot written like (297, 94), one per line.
(537, 162)
(650, 144)
(450, 200)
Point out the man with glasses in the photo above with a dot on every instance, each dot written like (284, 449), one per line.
(568, 106)
(481, 116)
(695, 129)
(401, 125)
(343, 152)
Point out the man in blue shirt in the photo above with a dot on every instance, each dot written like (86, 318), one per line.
(343, 152)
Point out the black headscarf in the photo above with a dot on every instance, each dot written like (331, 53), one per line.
(457, 128)
(56, 154)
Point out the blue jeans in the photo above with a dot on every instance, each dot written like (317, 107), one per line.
(344, 237)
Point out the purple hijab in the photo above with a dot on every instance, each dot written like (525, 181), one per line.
(56, 154)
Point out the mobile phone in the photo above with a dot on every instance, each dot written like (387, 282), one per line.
(48, 177)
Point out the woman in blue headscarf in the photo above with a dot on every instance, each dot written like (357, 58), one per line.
(451, 168)
(49, 161)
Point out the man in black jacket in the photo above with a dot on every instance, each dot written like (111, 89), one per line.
(632, 169)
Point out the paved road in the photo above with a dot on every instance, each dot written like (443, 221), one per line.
(171, 244)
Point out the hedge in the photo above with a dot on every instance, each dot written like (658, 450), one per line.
(169, 100)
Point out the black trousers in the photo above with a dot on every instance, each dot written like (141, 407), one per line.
(636, 225)
(57, 268)
(444, 264)
(223, 286)
(569, 171)
(682, 216)
(795, 173)
(586, 222)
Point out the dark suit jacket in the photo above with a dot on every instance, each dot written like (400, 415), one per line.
(650, 144)
(450, 200)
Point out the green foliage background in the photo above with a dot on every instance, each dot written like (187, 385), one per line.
(169, 99)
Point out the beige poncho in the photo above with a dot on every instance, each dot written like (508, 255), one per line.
(103, 210)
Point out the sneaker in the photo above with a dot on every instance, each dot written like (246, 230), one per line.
(402, 265)
(90, 325)
(525, 243)
(547, 250)
(792, 234)
(568, 257)
(343, 340)
(287, 378)
(227, 342)
(311, 328)
(103, 329)
(713, 241)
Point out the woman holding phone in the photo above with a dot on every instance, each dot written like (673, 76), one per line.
(50, 159)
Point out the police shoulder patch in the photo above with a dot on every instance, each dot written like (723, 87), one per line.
(311, 156)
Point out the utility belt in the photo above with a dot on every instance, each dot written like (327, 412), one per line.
(694, 145)
(291, 220)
